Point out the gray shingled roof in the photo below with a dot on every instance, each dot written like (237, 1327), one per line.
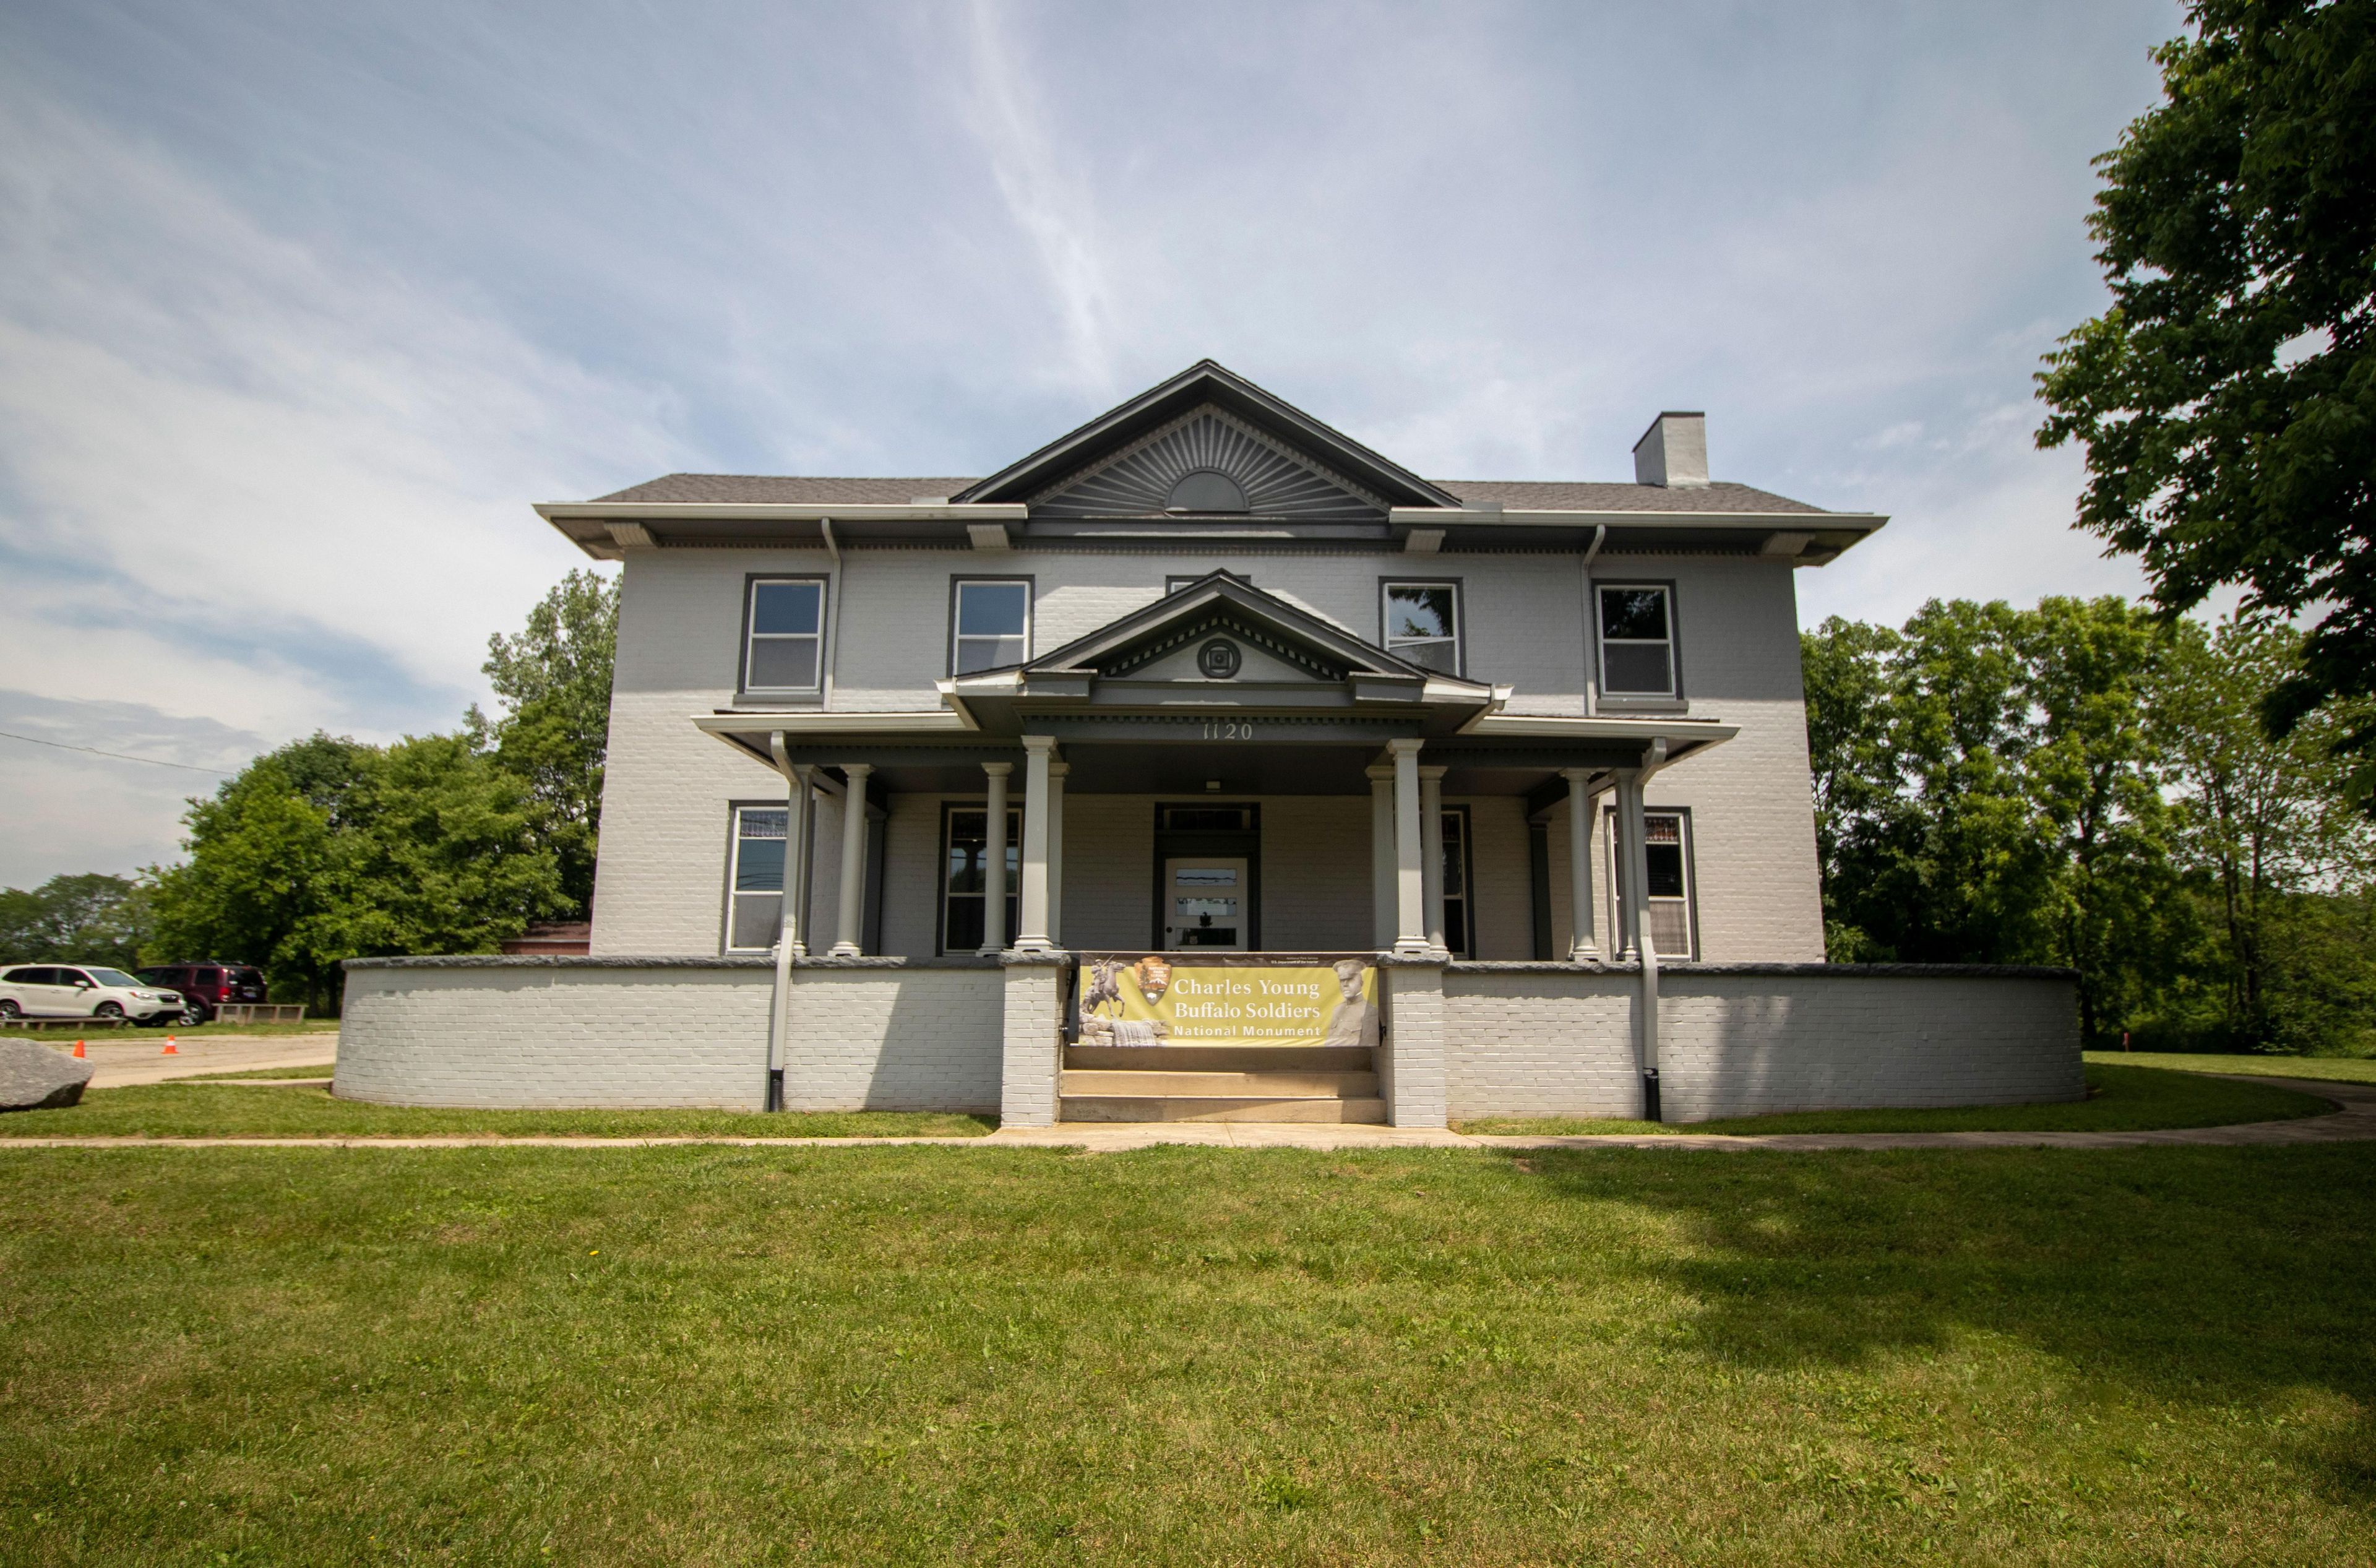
(1516, 495)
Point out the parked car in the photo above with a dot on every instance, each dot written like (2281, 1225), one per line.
(84, 991)
(204, 987)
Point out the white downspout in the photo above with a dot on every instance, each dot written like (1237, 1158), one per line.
(833, 612)
(1592, 625)
(788, 922)
(1637, 872)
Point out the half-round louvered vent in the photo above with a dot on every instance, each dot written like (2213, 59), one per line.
(1185, 461)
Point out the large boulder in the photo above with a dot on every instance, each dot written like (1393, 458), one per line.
(34, 1077)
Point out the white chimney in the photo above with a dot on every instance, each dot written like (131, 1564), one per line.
(1673, 452)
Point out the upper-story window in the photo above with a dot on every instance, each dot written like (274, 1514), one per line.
(989, 624)
(784, 648)
(1423, 624)
(1637, 640)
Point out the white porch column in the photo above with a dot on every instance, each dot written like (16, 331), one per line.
(1382, 856)
(1582, 949)
(993, 869)
(1056, 772)
(1031, 916)
(848, 936)
(1431, 851)
(1411, 913)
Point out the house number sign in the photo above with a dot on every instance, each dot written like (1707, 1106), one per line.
(1228, 729)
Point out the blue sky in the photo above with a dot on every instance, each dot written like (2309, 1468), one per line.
(301, 306)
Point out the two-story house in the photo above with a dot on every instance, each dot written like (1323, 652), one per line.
(1206, 677)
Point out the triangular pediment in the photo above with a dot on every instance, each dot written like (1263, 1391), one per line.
(1171, 473)
(1282, 636)
(1258, 455)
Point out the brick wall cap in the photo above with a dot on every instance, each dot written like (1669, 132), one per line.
(1818, 971)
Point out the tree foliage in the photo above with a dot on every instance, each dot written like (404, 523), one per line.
(2086, 784)
(2227, 399)
(329, 850)
(91, 919)
(552, 682)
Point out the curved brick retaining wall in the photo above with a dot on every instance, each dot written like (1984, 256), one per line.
(866, 1034)
(1743, 1039)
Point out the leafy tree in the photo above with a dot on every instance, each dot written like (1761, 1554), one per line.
(2228, 398)
(90, 919)
(2258, 821)
(553, 682)
(329, 850)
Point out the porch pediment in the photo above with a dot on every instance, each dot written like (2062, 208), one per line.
(1219, 643)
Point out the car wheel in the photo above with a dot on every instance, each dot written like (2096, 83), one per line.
(108, 1010)
(8, 1009)
(193, 1014)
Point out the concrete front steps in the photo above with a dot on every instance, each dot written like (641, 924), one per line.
(1217, 1083)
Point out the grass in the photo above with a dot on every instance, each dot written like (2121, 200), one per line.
(217, 1109)
(51, 1028)
(928, 1355)
(2333, 1069)
(2119, 1099)
(313, 1070)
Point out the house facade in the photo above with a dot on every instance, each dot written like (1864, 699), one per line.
(1209, 683)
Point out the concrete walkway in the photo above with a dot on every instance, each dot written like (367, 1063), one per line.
(2353, 1121)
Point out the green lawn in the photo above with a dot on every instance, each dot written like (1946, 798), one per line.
(2119, 1099)
(1182, 1355)
(203, 1110)
(312, 1070)
(2334, 1069)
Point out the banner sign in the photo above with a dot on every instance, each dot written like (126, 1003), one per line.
(1157, 1000)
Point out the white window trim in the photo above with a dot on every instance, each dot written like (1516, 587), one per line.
(958, 639)
(1691, 899)
(734, 894)
(1458, 639)
(1674, 691)
(751, 636)
(949, 811)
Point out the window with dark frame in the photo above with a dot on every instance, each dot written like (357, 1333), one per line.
(1458, 934)
(1420, 623)
(989, 624)
(965, 866)
(1670, 916)
(1637, 640)
(784, 648)
(755, 902)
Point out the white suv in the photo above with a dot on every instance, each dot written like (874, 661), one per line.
(53, 991)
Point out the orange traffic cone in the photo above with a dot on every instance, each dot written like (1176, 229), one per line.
(79, 1051)
(170, 1049)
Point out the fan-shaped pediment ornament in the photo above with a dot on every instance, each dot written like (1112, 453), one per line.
(1198, 465)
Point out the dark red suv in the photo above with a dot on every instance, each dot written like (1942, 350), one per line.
(206, 987)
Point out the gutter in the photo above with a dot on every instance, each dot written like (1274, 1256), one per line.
(1638, 872)
(832, 633)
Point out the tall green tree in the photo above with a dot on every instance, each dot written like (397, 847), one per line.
(90, 919)
(329, 850)
(552, 683)
(2227, 399)
(2259, 822)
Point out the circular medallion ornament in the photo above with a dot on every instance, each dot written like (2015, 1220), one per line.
(1219, 658)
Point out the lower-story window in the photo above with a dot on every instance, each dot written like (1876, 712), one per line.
(755, 906)
(1668, 914)
(965, 867)
(1457, 936)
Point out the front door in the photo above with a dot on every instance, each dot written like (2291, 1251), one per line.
(1204, 902)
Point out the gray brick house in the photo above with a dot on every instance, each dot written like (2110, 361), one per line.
(1207, 678)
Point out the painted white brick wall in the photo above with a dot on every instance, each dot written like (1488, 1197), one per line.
(1418, 1046)
(1540, 1041)
(660, 886)
(520, 1035)
(1034, 1051)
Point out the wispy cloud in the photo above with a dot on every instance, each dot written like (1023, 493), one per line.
(1046, 190)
